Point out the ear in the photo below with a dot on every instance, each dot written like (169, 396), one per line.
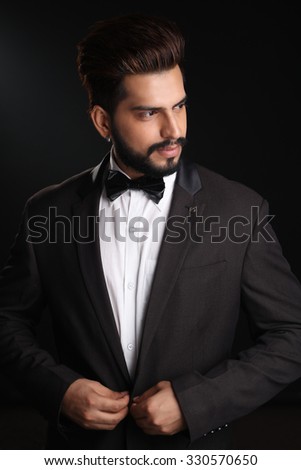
(101, 121)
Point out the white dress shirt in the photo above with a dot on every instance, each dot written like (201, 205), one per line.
(131, 229)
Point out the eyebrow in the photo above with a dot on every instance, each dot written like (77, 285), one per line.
(154, 108)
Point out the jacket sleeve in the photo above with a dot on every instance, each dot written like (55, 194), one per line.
(271, 296)
(32, 369)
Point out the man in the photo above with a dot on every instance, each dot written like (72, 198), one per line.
(145, 263)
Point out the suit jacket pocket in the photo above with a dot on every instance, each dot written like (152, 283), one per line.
(206, 264)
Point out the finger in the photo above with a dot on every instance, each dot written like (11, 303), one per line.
(111, 405)
(139, 410)
(147, 394)
(99, 420)
(107, 392)
(114, 395)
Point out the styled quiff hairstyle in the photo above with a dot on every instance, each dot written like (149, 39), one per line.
(126, 45)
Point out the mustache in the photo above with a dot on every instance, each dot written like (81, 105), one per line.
(167, 143)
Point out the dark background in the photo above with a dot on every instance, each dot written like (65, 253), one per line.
(243, 83)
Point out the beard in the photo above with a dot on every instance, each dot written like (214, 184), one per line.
(143, 163)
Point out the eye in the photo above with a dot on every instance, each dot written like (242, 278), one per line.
(147, 114)
(180, 106)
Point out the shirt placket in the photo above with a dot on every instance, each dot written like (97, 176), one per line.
(129, 340)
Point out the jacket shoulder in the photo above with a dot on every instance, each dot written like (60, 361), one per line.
(225, 189)
(65, 190)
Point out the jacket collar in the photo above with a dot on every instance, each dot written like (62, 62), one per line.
(187, 178)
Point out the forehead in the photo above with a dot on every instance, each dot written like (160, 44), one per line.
(154, 89)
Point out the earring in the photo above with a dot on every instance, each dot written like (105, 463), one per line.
(108, 139)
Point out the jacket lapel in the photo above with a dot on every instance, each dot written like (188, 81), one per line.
(172, 252)
(89, 256)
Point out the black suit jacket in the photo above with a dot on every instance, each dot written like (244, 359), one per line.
(218, 256)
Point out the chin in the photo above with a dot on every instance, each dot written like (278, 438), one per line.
(163, 169)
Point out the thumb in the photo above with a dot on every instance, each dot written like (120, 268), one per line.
(147, 394)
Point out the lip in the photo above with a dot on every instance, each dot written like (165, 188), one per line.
(170, 151)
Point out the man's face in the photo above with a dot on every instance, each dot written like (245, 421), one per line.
(149, 125)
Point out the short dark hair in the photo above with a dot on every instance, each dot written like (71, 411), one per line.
(126, 45)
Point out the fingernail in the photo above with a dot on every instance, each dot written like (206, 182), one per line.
(124, 393)
(136, 399)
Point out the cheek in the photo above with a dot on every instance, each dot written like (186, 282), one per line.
(139, 135)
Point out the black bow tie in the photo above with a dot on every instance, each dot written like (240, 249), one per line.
(116, 183)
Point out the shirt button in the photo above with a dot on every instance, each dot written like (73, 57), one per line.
(130, 347)
(131, 285)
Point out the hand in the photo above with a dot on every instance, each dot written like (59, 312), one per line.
(157, 411)
(93, 406)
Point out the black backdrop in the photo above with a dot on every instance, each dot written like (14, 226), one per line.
(243, 83)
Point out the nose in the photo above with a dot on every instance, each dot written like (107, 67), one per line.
(170, 127)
